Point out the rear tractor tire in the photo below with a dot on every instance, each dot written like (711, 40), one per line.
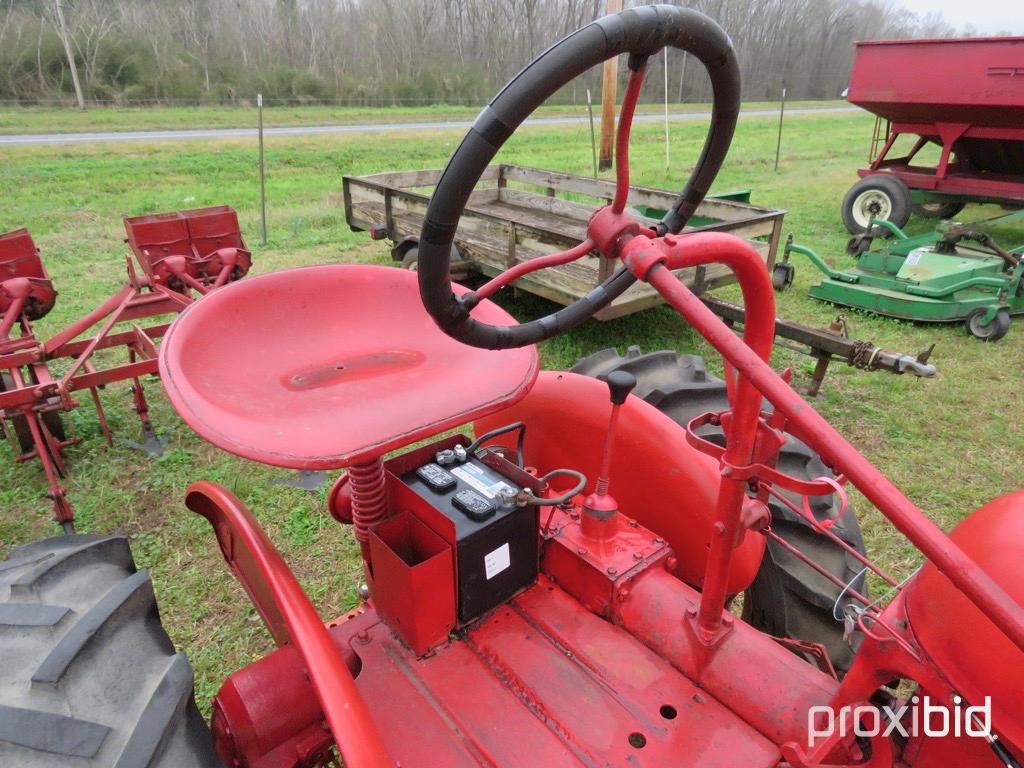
(880, 196)
(787, 598)
(89, 677)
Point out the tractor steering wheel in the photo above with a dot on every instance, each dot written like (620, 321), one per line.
(640, 32)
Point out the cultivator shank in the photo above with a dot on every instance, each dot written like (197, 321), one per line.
(41, 376)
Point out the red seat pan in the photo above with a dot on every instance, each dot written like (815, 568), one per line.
(322, 367)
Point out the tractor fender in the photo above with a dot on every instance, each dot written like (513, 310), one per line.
(656, 477)
(960, 639)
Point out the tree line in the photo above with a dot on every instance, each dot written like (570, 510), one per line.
(390, 52)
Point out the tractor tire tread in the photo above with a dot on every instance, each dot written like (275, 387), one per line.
(90, 676)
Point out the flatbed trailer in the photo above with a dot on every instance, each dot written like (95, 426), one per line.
(518, 213)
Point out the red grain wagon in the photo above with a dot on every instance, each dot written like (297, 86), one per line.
(964, 95)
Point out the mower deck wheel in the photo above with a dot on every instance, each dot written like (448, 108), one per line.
(89, 675)
(994, 331)
(782, 275)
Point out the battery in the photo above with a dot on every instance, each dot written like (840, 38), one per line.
(496, 542)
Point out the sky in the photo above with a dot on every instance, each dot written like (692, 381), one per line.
(986, 16)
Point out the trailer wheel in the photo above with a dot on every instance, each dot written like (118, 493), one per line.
(54, 423)
(89, 677)
(787, 597)
(994, 331)
(879, 195)
(938, 210)
(411, 257)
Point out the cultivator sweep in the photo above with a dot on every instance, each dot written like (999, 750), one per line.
(181, 255)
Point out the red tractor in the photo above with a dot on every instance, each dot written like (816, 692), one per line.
(557, 589)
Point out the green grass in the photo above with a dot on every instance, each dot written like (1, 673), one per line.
(15, 119)
(951, 443)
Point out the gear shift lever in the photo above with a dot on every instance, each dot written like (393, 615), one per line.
(600, 507)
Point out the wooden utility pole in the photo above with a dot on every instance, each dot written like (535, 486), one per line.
(609, 86)
(65, 38)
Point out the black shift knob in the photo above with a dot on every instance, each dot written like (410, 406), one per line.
(620, 384)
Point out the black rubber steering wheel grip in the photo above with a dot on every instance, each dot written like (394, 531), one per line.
(640, 32)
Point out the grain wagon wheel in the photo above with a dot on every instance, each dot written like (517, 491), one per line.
(879, 196)
(943, 209)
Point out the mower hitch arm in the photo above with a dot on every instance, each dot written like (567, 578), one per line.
(655, 261)
(291, 618)
(819, 262)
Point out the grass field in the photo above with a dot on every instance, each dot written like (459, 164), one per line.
(951, 443)
(64, 120)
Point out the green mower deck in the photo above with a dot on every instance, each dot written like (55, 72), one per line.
(956, 273)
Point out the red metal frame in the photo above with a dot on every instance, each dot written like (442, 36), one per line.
(542, 675)
(960, 94)
(214, 254)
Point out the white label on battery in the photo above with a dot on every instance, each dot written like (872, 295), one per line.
(478, 478)
(497, 561)
(913, 258)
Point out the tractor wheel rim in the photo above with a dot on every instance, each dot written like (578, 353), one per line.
(866, 201)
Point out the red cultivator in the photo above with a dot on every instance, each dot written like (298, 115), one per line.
(179, 253)
(516, 612)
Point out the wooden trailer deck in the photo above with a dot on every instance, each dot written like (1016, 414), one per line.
(518, 213)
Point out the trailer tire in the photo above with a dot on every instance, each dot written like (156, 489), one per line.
(89, 677)
(885, 196)
(411, 258)
(938, 210)
(787, 598)
(994, 331)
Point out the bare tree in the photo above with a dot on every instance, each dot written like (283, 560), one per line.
(399, 51)
(65, 38)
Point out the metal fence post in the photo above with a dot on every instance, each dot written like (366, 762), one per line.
(263, 178)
